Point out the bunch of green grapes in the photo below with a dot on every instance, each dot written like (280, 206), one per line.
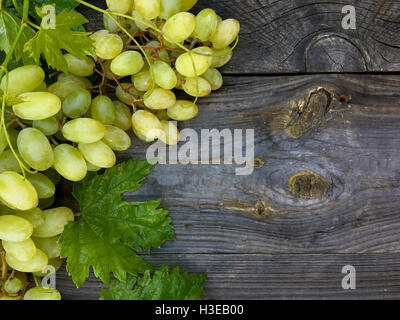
(149, 50)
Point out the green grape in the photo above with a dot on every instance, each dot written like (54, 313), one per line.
(3, 141)
(162, 53)
(219, 61)
(98, 153)
(197, 86)
(77, 103)
(184, 64)
(120, 6)
(35, 149)
(80, 67)
(69, 162)
(123, 116)
(127, 63)
(13, 286)
(169, 8)
(84, 130)
(206, 24)
(164, 75)
(14, 228)
(188, 4)
(183, 110)
(35, 216)
(162, 115)
(46, 203)
(103, 110)
(47, 126)
(226, 33)
(171, 133)
(23, 79)
(205, 52)
(23, 250)
(141, 26)
(63, 88)
(91, 167)
(96, 36)
(148, 9)
(49, 246)
(214, 78)
(180, 81)
(53, 175)
(179, 27)
(41, 88)
(109, 46)
(117, 139)
(37, 263)
(17, 192)
(37, 106)
(40, 293)
(84, 82)
(13, 136)
(159, 99)
(8, 162)
(55, 262)
(143, 81)
(129, 96)
(54, 222)
(146, 125)
(45, 188)
(109, 23)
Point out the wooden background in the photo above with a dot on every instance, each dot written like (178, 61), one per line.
(255, 237)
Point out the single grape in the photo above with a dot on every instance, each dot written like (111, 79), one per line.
(109, 46)
(77, 103)
(84, 130)
(123, 116)
(98, 153)
(205, 52)
(85, 82)
(120, 6)
(139, 19)
(188, 4)
(226, 33)
(14, 228)
(37, 105)
(169, 8)
(8, 162)
(96, 36)
(117, 139)
(222, 57)
(40, 293)
(17, 192)
(184, 64)
(159, 99)
(69, 162)
(146, 125)
(171, 133)
(162, 53)
(53, 175)
(148, 9)
(49, 246)
(206, 24)
(179, 27)
(80, 67)
(103, 110)
(54, 222)
(214, 78)
(46, 203)
(162, 115)
(127, 63)
(41, 88)
(127, 93)
(183, 110)
(37, 263)
(13, 286)
(35, 149)
(109, 23)
(23, 250)
(197, 87)
(35, 216)
(45, 188)
(47, 126)
(23, 79)
(164, 75)
(63, 88)
(143, 81)
(91, 167)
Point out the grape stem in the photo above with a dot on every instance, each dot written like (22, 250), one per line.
(4, 267)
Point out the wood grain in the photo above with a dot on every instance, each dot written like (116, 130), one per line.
(286, 36)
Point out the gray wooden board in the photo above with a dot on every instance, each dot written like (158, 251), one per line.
(250, 232)
(290, 36)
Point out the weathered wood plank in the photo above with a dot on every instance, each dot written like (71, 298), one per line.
(307, 35)
(355, 148)
(275, 277)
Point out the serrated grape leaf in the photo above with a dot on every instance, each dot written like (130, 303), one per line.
(51, 42)
(9, 27)
(161, 286)
(110, 231)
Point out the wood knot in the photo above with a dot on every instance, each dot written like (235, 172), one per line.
(309, 185)
(258, 163)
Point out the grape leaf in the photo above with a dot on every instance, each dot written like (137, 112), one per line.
(162, 286)
(9, 27)
(52, 42)
(110, 231)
